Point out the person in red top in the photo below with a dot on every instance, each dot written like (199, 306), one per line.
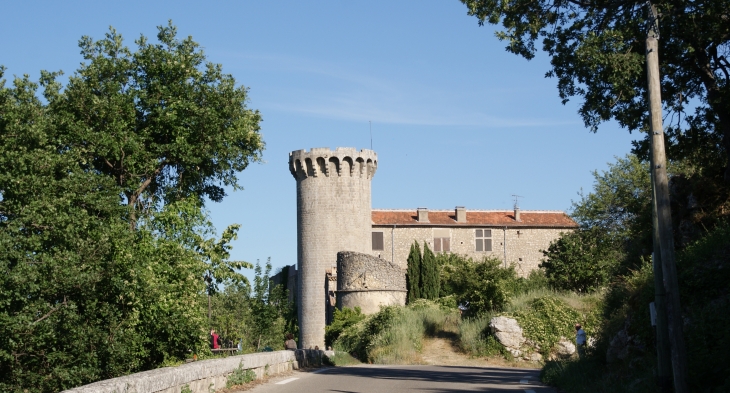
(214, 339)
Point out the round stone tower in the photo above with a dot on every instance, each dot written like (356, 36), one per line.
(333, 214)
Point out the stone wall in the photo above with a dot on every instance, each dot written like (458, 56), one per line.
(333, 214)
(369, 282)
(521, 244)
(204, 376)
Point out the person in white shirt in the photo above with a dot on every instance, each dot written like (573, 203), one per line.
(580, 340)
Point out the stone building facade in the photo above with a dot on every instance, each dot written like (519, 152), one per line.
(514, 236)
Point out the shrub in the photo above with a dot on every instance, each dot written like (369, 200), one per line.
(704, 273)
(486, 285)
(547, 320)
(474, 337)
(341, 358)
(535, 281)
(240, 376)
(341, 320)
(394, 335)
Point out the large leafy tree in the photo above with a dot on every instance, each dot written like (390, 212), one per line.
(619, 208)
(581, 261)
(161, 121)
(134, 140)
(597, 54)
(615, 229)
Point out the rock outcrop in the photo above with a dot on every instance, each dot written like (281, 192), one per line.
(564, 348)
(509, 333)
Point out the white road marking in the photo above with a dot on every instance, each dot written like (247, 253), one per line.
(322, 370)
(286, 381)
(524, 381)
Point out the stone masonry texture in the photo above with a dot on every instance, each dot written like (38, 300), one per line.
(333, 214)
(203, 376)
(369, 282)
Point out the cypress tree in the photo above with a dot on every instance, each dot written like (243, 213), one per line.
(429, 275)
(413, 274)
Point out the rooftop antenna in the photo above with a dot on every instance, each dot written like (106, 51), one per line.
(516, 198)
(371, 134)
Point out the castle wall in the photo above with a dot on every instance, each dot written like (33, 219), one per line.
(369, 282)
(523, 244)
(333, 214)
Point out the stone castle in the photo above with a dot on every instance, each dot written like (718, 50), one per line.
(351, 255)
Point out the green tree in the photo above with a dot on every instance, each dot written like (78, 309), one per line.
(581, 261)
(617, 213)
(272, 314)
(82, 297)
(161, 121)
(597, 53)
(429, 275)
(231, 314)
(62, 297)
(485, 284)
(413, 274)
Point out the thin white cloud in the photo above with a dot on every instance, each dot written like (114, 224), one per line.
(330, 90)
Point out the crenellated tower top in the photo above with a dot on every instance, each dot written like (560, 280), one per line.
(341, 162)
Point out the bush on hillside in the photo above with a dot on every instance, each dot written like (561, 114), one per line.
(341, 320)
(548, 318)
(395, 335)
(704, 274)
(704, 271)
(486, 285)
(475, 338)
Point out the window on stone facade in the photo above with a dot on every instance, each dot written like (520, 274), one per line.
(378, 241)
(483, 239)
(441, 240)
(441, 244)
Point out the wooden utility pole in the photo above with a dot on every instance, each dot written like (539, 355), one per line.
(664, 215)
(664, 362)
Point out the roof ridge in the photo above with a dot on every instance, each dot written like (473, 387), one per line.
(470, 210)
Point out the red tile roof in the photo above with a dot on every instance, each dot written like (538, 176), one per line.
(554, 219)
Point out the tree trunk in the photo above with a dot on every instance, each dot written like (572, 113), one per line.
(131, 202)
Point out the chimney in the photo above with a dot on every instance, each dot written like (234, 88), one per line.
(460, 214)
(517, 213)
(422, 214)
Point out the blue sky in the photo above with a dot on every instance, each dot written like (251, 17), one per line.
(456, 120)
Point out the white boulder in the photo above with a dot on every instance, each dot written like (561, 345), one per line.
(564, 347)
(507, 332)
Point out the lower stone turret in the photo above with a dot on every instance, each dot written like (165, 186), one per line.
(369, 282)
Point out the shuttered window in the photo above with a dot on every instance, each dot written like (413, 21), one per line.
(442, 244)
(483, 238)
(378, 241)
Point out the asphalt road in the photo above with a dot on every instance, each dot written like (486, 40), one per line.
(435, 379)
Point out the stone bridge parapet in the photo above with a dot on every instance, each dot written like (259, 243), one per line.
(204, 376)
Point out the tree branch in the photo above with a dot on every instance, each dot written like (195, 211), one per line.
(147, 182)
(48, 314)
